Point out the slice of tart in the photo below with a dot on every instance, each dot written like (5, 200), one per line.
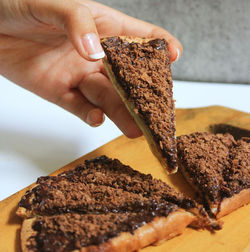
(99, 232)
(139, 69)
(218, 168)
(104, 205)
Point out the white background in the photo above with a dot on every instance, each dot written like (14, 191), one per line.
(37, 137)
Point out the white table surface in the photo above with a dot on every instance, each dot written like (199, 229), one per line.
(37, 137)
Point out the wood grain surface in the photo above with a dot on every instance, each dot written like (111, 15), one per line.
(235, 235)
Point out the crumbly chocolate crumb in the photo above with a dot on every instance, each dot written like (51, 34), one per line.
(72, 231)
(95, 202)
(101, 185)
(217, 164)
(143, 71)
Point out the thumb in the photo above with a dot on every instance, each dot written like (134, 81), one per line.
(75, 19)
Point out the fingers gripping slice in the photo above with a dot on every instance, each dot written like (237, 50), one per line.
(140, 71)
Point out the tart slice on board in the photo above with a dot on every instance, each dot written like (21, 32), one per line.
(103, 205)
(218, 168)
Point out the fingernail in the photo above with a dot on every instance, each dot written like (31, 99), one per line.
(178, 55)
(92, 46)
(93, 118)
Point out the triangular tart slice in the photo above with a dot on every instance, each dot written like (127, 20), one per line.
(218, 168)
(139, 69)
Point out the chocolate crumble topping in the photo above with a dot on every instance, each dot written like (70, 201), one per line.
(96, 202)
(217, 164)
(100, 185)
(143, 71)
(73, 231)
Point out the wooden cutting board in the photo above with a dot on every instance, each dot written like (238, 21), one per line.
(235, 235)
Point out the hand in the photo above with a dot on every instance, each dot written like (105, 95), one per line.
(52, 47)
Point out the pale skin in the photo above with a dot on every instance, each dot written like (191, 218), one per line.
(41, 50)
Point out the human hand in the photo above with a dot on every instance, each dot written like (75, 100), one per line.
(51, 48)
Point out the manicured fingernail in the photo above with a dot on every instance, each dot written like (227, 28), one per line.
(92, 46)
(178, 55)
(93, 118)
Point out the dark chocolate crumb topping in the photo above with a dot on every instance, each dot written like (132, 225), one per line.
(100, 186)
(102, 191)
(217, 164)
(73, 231)
(143, 71)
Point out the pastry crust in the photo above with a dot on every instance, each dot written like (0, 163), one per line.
(26, 233)
(227, 205)
(156, 231)
(24, 213)
(131, 108)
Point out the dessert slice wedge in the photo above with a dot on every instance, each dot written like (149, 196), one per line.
(218, 168)
(139, 70)
(104, 205)
(99, 232)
